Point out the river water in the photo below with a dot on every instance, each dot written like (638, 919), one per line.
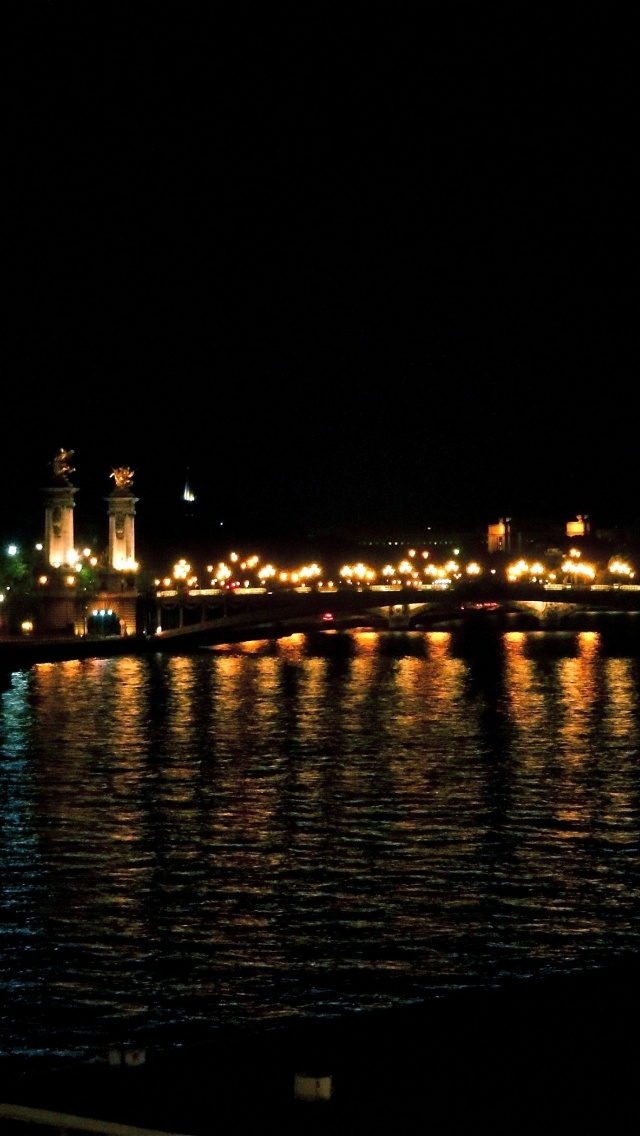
(309, 827)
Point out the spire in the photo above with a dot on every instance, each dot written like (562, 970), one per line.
(188, 494)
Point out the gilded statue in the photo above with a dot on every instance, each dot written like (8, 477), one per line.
(123, 477)
(62, 464)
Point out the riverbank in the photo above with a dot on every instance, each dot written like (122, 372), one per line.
(552, 1054)
(17, 652)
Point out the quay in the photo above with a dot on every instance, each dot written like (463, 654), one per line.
(16, 653)
(550, 1053)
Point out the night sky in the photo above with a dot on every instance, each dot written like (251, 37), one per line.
(353, 272)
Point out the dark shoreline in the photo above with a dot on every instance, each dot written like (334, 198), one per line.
(18, 653)
(545, 1054)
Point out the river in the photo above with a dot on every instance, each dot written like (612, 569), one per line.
(312, 826)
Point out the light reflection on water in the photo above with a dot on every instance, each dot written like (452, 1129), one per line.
(311, 826)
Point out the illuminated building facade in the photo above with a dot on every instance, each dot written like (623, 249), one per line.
(499, 536)
(579, 527)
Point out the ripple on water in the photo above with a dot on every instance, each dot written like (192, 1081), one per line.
(198, 841)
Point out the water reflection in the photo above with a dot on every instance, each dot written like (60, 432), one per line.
(310, 826)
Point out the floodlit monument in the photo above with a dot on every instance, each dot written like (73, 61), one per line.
(82, 593)
(59, 505)
(118, 594)
(122, 511)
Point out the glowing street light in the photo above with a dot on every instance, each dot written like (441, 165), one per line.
(578, 570)
(619, 567)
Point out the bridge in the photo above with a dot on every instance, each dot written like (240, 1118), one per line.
(204, 619)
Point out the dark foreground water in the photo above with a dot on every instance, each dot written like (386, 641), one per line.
(309, 827)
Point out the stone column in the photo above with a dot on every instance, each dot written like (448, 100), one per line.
(122, 511)
(59, 505)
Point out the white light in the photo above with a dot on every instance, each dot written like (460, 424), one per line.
(125, 564)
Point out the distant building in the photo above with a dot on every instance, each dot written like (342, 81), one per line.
(499, 536)
(579, 527)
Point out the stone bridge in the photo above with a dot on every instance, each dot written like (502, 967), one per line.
(200, 620)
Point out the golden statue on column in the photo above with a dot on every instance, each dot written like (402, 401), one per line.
(123, 477)
(62, 464)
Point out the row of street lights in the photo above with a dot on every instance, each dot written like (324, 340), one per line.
(242, 573)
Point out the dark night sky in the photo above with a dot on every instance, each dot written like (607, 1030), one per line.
(353, 274)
